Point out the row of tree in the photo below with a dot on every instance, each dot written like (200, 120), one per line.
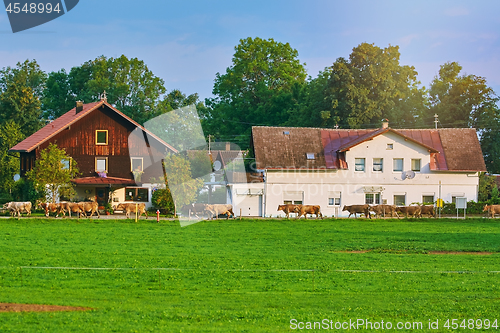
(267, 85)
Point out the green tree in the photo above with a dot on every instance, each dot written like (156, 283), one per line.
(372, 85)
(162, 199)
(129, 85)
(490, 142)
(21, 89)
(10, 135)
(460, 100)
(53, 172)
(486, 184)
(257, 89)
(58, 98)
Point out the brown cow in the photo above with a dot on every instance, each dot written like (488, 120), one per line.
(427, 209)
(89, 206)
(130, 207)
(51, 208)
(382, 210)
(71, 207)
(358, 209)
(308, 209)
(220, 209)
(413, 211)
(492, 210)
(288, 208)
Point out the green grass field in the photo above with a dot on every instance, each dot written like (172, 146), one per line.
(248, 275)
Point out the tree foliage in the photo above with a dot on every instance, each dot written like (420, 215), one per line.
(21, 89)
(53, 172)
(372, 85)
(460, 100)
(257, 89)
(10, 135)
(129, 85)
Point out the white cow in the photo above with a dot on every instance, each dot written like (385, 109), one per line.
(18, 207)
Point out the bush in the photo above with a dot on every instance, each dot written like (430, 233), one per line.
(472, 208)
(162, 200)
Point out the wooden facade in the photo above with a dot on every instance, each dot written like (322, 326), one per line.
(125, 140)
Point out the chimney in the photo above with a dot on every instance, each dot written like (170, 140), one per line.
(79, 106)
(385, 123)
(228, 145)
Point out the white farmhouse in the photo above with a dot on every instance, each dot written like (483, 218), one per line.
(336, 167)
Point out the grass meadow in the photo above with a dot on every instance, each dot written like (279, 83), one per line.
(249, 275)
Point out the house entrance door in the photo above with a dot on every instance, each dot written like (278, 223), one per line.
(102, 195)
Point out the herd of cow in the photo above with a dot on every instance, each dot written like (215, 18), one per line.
(379, 210)
(79, 208)
(214, 210)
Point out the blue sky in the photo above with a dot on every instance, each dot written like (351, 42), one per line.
(187, 42)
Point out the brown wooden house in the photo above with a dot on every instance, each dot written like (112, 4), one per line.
(113, 152)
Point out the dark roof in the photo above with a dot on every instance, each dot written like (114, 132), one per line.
(104, 181)
(71, 117)
(451, 149)
(287, 147)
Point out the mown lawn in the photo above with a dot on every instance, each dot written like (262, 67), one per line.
(248, 275)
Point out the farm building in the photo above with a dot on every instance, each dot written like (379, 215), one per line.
(116, 156)
(336, 167)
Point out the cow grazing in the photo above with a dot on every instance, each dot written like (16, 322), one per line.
(220, 209)
(89, 206)
(413, 211)
(16, 208)
(289, 208)
(51, 208)
(492, 210)
(308, 209)
(383, 210)
(131, 208)
(358, 209)
(428, 210)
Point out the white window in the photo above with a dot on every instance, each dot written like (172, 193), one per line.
(372, 198)
(415, 164)
(397, 164)
(378, 164)
(359, 164)
(334, 198)
(390, 146)
(101, 164)
(310, 156)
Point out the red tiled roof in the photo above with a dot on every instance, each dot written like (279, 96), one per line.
(70, 117)
(103, 181)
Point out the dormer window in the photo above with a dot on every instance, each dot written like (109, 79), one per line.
(310, 156)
